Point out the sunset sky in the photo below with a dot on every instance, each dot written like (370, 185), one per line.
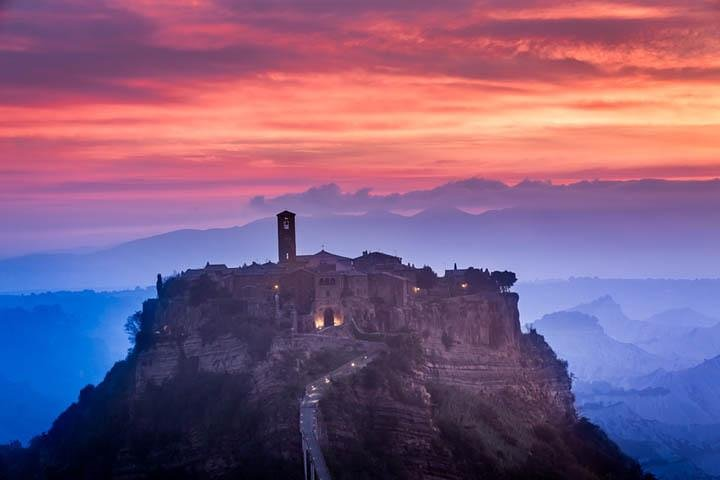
(124, 118)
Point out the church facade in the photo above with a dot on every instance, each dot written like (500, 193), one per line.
(339, 283)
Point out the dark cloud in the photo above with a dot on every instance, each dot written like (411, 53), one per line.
(89, 49)
(333, 8)
(479, 194)
(610, 31)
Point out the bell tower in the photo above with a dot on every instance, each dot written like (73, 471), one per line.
(286, 237)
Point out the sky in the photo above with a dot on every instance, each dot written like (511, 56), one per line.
(120, 119)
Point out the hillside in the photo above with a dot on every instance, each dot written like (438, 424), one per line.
(212, 388)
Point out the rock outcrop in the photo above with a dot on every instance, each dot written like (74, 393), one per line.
(467, 396)
(212, 391)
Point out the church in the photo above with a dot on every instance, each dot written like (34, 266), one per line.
(327, 286)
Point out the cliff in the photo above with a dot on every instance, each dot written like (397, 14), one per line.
(213, 386)
(469, 396)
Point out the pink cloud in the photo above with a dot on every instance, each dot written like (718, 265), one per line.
(109, 103)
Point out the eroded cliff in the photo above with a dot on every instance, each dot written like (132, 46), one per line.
(213, 386)
(466, 396)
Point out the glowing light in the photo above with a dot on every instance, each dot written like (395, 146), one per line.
(416, 289)
(464, 285)
(276, 287)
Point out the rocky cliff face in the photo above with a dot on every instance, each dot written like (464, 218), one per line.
(470, 397)
(212, 391)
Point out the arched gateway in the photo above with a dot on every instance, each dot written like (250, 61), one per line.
(328, 318)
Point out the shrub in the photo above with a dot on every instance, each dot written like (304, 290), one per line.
(204, 289)
(447, 340)
(256, 332)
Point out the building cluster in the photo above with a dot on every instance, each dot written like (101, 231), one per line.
(321, 290)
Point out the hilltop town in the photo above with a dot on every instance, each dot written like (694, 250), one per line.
(327, 290)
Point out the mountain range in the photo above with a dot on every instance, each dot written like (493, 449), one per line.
(653, 385)
(535, 243)
(590, 352)
(669, 421)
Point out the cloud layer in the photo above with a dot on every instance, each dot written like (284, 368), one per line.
(654, 196)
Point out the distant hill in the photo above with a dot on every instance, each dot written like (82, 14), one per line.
(668, 421)
(682, 317)
(671, 334)
(590, 352)
(671, 452)
(695, 345)
(667, 418)
(640, 298)
(612, 318)
(690, 396)
(535, 243)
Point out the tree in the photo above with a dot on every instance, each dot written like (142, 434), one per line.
(504, 280)
(132, 326)
(159, 285)
(425, 277)
(479, 280)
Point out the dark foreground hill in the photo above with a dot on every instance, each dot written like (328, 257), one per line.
(213, 385)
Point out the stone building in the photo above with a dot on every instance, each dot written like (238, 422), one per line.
(378, 261)
(324, 289)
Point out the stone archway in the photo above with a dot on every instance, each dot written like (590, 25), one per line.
(328, 318)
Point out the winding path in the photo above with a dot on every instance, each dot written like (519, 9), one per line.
(314, 464)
